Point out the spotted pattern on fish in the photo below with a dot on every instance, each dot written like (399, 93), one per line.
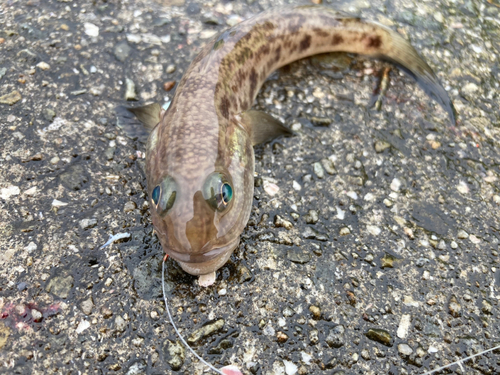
(208, 128)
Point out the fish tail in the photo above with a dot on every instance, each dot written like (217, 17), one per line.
(406, 58)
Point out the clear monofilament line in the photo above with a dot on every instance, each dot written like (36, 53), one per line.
(173, 324)
(460, 361)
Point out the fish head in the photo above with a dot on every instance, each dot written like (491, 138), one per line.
(200, 194)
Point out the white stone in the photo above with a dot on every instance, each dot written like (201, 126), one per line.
(151, 39)
(369, 197)
(306, 358)
(463, 188)
(290, 368)
(31, 191)
(352, 194)
(82, 326)
(31, 247)
(373, 229)
(43, 65)
(296, 186)
(474, 239)
(8, 192)
(271, 188)
(207, 280)
(409, 301)
(205, 34)
(395, 184)
(269, 330)
(134, 38)
(404, 326)
(57, 203)
(91, 29)
(165, 39)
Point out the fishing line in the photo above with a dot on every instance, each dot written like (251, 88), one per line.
(459, 362)
(173, 324)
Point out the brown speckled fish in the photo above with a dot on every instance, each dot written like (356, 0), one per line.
(200, 160)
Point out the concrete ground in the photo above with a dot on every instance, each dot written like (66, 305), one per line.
(373, 242)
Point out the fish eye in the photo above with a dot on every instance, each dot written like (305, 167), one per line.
(217, 191)
(163, 195)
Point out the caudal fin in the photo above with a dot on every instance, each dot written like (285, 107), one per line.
(404, 56)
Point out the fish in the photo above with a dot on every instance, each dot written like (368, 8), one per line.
(199, 153)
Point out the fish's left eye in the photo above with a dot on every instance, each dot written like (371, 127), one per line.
(218, 191)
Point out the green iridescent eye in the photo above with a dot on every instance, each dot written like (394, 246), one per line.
(218, 191)
(163, 195)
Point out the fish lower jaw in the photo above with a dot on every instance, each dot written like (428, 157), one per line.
(211, 265)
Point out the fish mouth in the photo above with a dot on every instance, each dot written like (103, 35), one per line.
(202, 264)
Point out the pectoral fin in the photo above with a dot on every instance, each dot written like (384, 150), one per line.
(138, 122)
(262, 126)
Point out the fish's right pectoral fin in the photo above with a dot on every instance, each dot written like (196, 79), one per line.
(263, 126)
(137, 122)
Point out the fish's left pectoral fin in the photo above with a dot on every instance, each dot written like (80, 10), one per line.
(138, 122)
(262, 126)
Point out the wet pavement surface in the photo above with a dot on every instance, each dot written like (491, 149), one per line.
(373, 243)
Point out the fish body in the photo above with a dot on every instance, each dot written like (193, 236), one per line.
(200, 158)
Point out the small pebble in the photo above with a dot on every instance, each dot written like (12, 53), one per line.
(170, 68)
(11, 98)
(404, 326)
(379, 335)
(290, 367)
(395, 184)
(205, 331)
(130, 93)
(31, 247)
(120, 323)
(344, 231)
(405, 350)
(129, 206)
(380, 146)
(373, 229)
(312, 217)
(280, 222)
(271, 188)
(318, 170)
(282, 337)
(315, 311)
(288, 312)
(87, 306)
(87, 223)
(37, 315)
(90, 29)
(454, 307)
(82, 326)
(167, 86)
(106, 312)
(43, 65)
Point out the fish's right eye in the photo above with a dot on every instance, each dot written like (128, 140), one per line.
(163, 195)
(155, 196)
